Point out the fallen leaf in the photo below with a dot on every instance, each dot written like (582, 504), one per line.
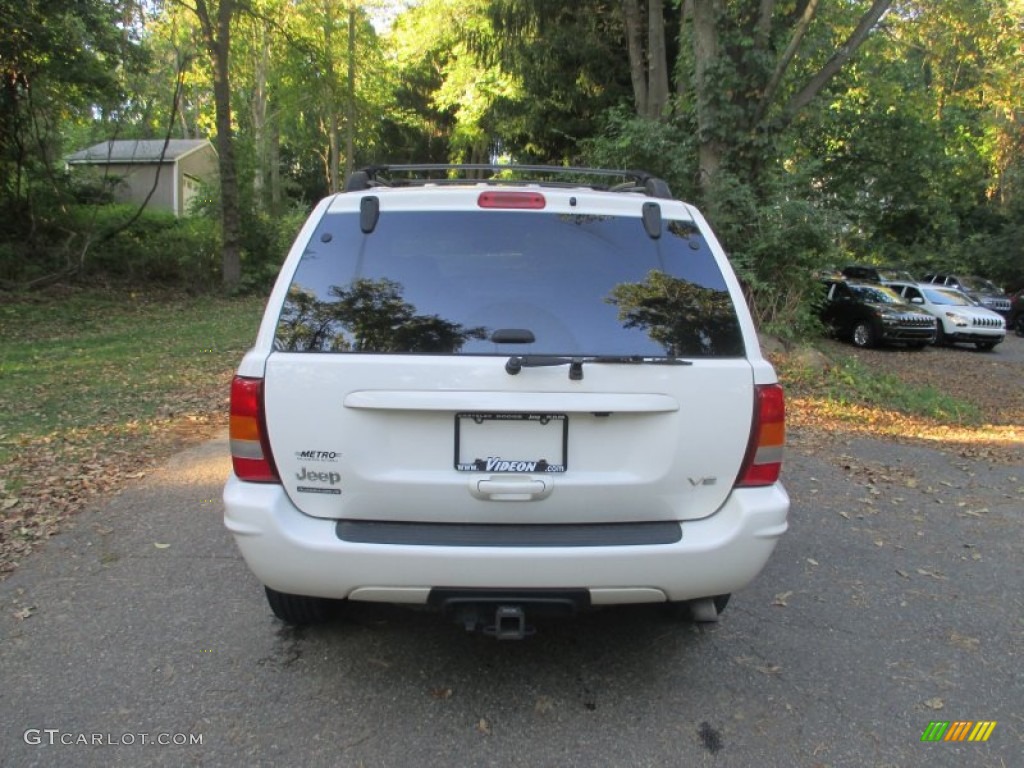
(441, 693)
(780, 599)
(812, 561)
(904, 574)
(8, 503)
(158, 545)
(483, 726)
(964, 642)
(933, 574)
(24, 613)
(935, 703)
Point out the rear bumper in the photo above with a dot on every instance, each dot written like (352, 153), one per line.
(294, 553)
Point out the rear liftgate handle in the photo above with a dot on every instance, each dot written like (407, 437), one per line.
(511, 489)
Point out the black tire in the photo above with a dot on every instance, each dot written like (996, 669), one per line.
(1018, 325)
(941, 339)
(299, 610)
(917, 347)
(986, 346)
(863, 334)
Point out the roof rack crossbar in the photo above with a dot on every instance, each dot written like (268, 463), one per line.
(380, 175)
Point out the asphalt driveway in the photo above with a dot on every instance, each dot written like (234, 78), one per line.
(894, 601)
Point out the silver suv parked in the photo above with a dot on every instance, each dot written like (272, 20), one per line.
(494, 390)
(986, 293)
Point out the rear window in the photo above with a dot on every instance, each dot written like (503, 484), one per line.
(443, 282)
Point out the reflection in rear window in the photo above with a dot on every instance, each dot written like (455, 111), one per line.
(444, 282)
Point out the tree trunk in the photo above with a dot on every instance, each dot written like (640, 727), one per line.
(333, 163)
(657, 62)
(274, 161)
(635, 44)
(350, 118)
(259, 123)
(682, 78)
(705, 49)
(218, 43)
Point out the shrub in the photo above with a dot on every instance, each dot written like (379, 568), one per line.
(157, 247)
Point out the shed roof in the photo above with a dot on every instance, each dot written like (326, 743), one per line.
(136, 151)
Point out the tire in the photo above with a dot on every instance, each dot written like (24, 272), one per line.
(917, 347)
(985, 346)
(1018, 326)
(863, 335)
(299, 610)
(941, 339)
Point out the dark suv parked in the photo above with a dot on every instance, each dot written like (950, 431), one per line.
(869, 314)
(1015, 322)
(983, 291)
(876, 274)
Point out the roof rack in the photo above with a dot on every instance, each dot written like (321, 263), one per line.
(460, 173)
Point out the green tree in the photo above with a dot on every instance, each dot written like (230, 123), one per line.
(61, 63)
(215, 21)
(449, 85)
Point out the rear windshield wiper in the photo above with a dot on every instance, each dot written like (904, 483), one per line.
(516, 363)
(636, 360)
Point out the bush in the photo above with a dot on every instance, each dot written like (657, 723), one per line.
(156, 248)
(265, 244)
(665, 149)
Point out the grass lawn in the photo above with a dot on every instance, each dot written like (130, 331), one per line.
(100, 361)
(97, 386)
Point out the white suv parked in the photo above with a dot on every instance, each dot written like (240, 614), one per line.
(960, 318)
(500, 395)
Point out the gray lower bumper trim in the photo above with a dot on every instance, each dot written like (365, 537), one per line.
(482, 535)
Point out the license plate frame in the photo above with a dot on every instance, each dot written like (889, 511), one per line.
(511, 434)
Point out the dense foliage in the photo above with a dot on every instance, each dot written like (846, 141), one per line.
(812, 134)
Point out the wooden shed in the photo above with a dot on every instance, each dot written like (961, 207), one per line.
(178, 167)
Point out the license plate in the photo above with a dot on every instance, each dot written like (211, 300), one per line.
(511, 442)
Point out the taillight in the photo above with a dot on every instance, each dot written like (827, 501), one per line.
(514, 199)
(763, 462)
(250, 451)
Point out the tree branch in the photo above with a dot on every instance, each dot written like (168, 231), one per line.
(785, 60)
(838, 59)
(763, 29)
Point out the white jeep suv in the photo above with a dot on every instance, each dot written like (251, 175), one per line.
(960, 318)
(500, 389)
